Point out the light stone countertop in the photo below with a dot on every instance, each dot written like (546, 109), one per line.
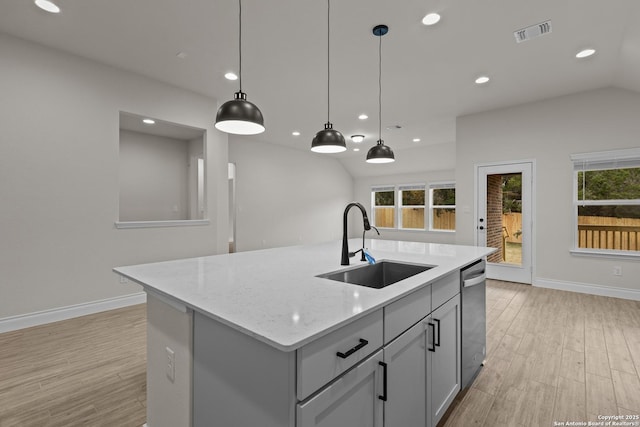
(273, 294)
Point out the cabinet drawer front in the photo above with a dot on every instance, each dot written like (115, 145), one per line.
(351, 401)
(442, 290)
(402, 314)
(318, 362)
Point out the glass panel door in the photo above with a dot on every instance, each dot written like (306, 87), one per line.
(504, 220)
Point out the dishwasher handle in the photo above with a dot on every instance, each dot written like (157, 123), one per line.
(474, 280)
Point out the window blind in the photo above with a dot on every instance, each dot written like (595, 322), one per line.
(442, 185)
(618, 159)
(408, 187)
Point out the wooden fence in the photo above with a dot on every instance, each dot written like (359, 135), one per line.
(596, 232)
(413, 218)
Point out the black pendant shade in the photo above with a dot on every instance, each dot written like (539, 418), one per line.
(328, 140)
(380, 153)
(239, 116)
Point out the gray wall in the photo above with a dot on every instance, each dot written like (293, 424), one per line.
(549, 132)
(286, 196)
(59, 125)
(154, 177)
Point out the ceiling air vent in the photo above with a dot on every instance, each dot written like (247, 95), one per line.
(532, 31)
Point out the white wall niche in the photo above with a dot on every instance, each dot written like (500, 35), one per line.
(161, 173)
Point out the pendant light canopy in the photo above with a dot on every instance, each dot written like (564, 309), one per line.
(328, 140)
(380, 153)
(240, 116)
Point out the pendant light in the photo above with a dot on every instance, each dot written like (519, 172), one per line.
(380, 153)
(328, 140)
(240, 116)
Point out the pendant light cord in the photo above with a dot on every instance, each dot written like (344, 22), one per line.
(380, 89)
(328, 57)
(240, 43)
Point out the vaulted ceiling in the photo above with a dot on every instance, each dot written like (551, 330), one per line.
(428, 73)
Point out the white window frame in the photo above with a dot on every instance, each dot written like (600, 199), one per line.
(617, 159)
(381, 188)
(400, 206)
(437, 186)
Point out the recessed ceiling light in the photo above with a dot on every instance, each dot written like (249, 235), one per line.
(363, 117)
(47, 5)
(148, 121)
(482, 80)
(356, 149)
(295, 133)
(416, 139)
(585, 53)
(357, 138)
(431, 19)
(231, 76)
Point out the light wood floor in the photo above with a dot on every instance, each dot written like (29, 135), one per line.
(552, 356)
(88, 371)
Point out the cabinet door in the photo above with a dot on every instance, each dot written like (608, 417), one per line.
(445, 360)
(352, 401)
(406, 358)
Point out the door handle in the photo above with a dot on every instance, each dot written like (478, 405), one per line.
(433, 334)
(362, 343)
(437, 343)
(383, 397)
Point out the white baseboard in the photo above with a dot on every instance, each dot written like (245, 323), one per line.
(585, 288)
(63, 313)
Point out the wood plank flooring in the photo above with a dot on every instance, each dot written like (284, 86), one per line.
(87, 371)
(551, 356)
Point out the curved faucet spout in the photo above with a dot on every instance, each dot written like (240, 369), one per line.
(345, 244)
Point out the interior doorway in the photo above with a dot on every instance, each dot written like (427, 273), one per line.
(232, 207)
(504, 219)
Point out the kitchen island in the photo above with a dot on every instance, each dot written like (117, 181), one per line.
(253, 338)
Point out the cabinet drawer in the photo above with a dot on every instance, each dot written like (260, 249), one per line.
(402, 314)
(442, 290)
(318, 362)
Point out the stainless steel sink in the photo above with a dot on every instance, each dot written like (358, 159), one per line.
(378, 275)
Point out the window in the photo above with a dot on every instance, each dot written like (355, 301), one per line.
(383, 202)
(607, 202)
(412, 206)
(442, 206)
(404, 206)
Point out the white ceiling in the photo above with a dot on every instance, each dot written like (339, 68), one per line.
(428, 72)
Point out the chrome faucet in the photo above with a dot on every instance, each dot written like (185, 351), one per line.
(345, 244)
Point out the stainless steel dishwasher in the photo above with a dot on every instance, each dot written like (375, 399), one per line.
(474, 320)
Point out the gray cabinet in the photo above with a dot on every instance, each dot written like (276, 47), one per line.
(424, 369)
(406, 359)
(444, 363)
(353, 400)
(395, 367)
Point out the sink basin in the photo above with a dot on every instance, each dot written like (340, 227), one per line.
(378, 275)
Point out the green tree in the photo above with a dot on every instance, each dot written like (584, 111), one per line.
(444, 196)
(385, 198)
(512, 193)
(610, 184)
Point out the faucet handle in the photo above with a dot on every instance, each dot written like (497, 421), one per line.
(352, 254)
